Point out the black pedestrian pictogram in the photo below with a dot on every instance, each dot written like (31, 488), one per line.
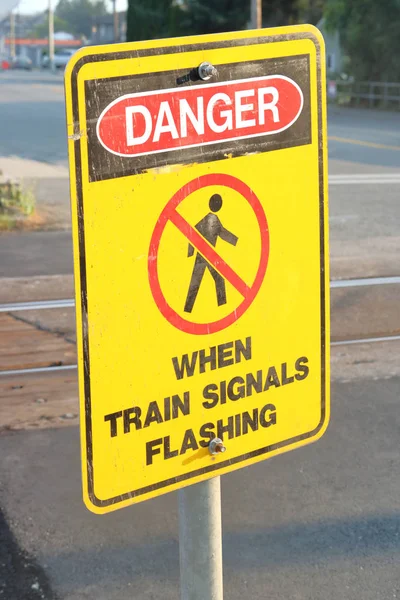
(211, 228)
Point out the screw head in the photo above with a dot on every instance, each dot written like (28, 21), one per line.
(206, 70)
(216, 446)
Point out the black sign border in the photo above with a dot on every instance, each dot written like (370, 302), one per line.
(141, 53)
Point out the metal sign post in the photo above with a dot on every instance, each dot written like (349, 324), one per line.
(51, 36)
(256, 14)
(12, 34)
(200, 541)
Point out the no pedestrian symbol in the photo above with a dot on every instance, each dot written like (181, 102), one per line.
(204, 240)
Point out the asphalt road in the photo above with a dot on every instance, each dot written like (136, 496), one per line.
(21, 578)
(356, 135)
(321, 522)
(364, 220)
(33, 124)
(32, 116)
(36, 253)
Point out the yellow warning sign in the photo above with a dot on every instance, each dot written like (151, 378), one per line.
(201, 264)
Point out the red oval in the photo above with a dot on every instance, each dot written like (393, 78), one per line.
(168, 120)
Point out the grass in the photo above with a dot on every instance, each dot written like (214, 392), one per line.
(16, 204)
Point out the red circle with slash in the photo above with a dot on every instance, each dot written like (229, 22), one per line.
(170, 213)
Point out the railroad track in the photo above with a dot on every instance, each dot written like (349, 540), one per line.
(20, 307)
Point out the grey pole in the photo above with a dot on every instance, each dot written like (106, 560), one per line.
(115, 22)
(256, 14)
(200, 541)
(12, 34)
(51, 37)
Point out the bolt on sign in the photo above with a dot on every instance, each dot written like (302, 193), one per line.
(199, 209)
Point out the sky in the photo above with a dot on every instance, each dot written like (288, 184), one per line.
(32, 6)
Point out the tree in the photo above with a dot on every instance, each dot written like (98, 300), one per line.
(290, 12)
(276, 13)
(80, 14)
(150, 19)
(310, 11)
(369, 33)
(213, 16)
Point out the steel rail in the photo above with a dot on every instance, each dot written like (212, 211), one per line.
(366, 281)
(34, 370)
(70, 303)
(387, 338)
(370, 340)
(36, 305)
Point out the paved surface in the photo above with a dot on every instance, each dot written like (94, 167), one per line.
(32, 116)
(37, 253)
(321, 522)
(364, 219)
(371, 127)
(21, 578)
(359, 211)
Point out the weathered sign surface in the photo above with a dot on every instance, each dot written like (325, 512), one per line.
(200, 239)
